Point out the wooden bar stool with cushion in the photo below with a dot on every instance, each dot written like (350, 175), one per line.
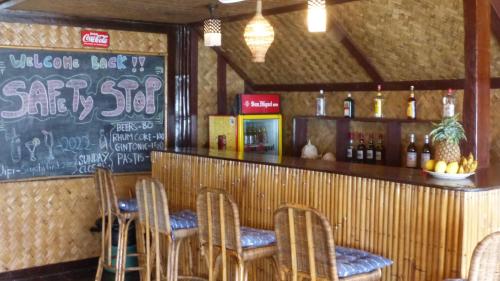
(306, 249)
(162, 230)
(111, 210)
(485, 264)
(221, 235)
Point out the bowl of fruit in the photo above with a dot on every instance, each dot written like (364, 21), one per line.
(448, 162)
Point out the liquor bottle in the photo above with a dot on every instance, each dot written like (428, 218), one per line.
(361, 150)
(449, 104)
(265, 137)
(260, 138)
(350, 149)
(411, 153)
(380, 151)
(320, 104)
(411, 111)
(349, 106)
(426, 152)
(370, 152)
(379, 102)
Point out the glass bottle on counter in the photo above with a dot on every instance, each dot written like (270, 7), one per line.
(370, 151)
(350, 149)
(379, 102)
(426, 152)
(411, 153)
(349, 106)
(411, 111)
(380, 151)
(449, 104)
(320, 104)
(361, 150)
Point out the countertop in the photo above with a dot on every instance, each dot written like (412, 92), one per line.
(483, 180)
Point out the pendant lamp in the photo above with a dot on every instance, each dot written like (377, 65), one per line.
(316, 15)
(212, 29)
(259, 35)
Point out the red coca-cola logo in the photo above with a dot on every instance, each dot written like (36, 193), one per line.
(98, 39)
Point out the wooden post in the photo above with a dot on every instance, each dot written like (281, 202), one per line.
(221, 85)
(476, 115)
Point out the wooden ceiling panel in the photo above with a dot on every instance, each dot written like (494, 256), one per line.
(171, 11)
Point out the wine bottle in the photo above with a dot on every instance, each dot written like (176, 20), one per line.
(349, 106)
(411, 111)
(350, 149)
(380, 151)
(361, 150)
(426, 152)
(379, 101)
(411, 153)
(370, 151)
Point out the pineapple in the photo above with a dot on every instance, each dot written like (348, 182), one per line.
(446, 137)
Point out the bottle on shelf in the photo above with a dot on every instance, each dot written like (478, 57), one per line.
(265, 138)
(411, 153)
(449, 104)
(379, 102)
(380, 151)
(350, 149)
(370, 151)
(411, 111)
(349, 106)
(426, 152)
(361, 150)
(320, 104)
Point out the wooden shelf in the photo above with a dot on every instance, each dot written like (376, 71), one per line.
(392, 134)
(366, 119)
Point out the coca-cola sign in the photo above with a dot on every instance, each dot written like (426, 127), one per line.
(99, 39)
(260, 104)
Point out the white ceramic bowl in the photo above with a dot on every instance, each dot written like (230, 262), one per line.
(446, 176)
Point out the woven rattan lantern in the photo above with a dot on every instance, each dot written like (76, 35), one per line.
(212, 29)
(316, 15)
(259, 35)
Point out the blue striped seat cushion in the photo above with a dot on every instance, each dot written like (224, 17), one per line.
(183, 220)
(352, 262)
(128, 205)
(254, 238)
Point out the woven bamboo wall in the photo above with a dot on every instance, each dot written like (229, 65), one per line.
(405, 40)
(427, 232)
(207, 89)
(48, 221)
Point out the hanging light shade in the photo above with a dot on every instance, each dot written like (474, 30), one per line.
(212, 30)
(259, 35)
(316, 15)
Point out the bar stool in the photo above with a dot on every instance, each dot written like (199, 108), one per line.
(485, 264)
(306, 249)
(162, 230)
(110, 210)
(221, 235)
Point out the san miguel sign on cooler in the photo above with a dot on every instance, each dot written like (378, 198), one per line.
(99, 39)
(260, 104)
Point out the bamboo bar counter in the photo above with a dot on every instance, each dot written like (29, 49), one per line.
(429, 228)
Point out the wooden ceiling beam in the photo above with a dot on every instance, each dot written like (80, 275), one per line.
(421, 85)
(356, 52)
(9, 3)
(280, 10)
(495, 18)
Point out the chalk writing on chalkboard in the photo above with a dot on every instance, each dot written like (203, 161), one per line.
(65, 113)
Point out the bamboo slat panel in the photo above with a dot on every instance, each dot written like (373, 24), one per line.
(235, 85)
(420, 228)
(65, 37)
(46, 222)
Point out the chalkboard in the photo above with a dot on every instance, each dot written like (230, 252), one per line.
(65, 113)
